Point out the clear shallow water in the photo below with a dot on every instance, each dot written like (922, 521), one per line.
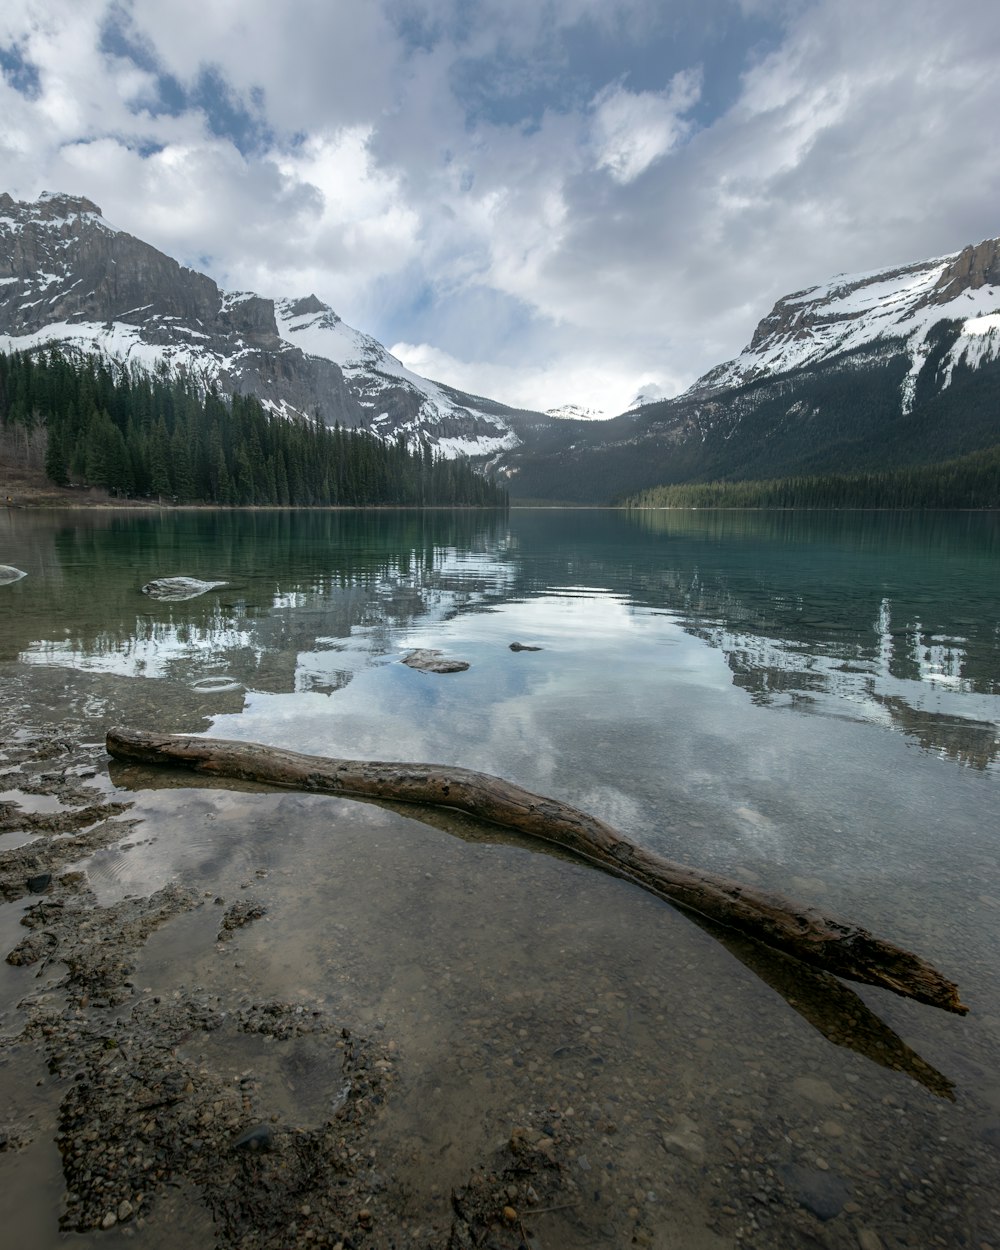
(810, 701)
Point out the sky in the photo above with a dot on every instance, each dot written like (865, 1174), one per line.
(543, 201)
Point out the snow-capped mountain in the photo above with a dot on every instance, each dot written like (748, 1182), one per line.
(576, 412)
(69, 277)
(651, 393)
(870, 371)
(872, 310)
(898, 366)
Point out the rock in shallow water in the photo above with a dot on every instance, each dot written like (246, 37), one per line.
(822, 1193)
(176, 589)
(260, 1138)
(430, 661)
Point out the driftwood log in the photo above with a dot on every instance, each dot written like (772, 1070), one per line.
(826, 943)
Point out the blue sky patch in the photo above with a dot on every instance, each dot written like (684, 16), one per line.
(20, 73)
(226, 115)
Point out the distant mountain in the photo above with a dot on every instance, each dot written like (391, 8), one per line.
(575, 412)
(68, 277)
(880, 370)
(869, 371)
(876, 310)
(651, 393)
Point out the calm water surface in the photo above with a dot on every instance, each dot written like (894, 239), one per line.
(809, 701)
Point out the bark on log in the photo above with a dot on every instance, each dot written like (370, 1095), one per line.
(825, 942)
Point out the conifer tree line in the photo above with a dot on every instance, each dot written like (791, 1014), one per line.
(161, 435)
(971, 481)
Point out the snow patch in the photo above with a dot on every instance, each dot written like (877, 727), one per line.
(576, 412)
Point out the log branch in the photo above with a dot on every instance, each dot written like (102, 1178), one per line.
(824, 942)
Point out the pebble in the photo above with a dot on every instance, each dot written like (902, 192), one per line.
(822, 1193)
(260, 1137)
(816, 1090)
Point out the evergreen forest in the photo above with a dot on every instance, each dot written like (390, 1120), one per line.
(971, 481)
(95, 423)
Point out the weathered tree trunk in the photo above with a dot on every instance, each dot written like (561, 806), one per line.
(832, 945)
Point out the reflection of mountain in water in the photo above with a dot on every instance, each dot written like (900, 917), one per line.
(976, 743)
(888, 618)
(310, 597)
(900, 627)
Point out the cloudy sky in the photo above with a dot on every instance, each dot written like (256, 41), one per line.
(547, 201)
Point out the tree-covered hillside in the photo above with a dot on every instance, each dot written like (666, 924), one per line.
(843, 416)
(971, 481)
(162, 436)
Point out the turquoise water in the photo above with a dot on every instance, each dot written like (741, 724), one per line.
(808, 701)
(811, 691)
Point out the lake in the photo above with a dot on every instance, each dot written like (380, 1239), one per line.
(809, 702)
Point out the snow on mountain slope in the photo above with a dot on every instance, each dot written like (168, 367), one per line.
(68, 277)
(372, 371)
(878, 310)
(576, 412)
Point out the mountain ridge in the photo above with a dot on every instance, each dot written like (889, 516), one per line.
(894, 366)
(67, 276)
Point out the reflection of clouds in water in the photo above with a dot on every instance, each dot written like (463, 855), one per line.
(578, 719)
(627, 714)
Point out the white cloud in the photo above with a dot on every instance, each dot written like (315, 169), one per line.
(631, 130)
(577, 375)
(552, 237)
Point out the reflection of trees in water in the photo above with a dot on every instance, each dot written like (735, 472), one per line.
(296, 581)
(922, 533)
(803, 605)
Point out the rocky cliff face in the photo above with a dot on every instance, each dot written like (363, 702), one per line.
(61, 261)
(971, 269)
(68, 276)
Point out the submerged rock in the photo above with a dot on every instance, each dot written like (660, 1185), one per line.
(523, 646)
(430, 661)
(260, 1137)
(822, 1193)
(10, 574)
(176, 589)
(216, 685)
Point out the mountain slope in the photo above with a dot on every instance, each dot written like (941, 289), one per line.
(67, 276)
(863, 310)
(878, 370)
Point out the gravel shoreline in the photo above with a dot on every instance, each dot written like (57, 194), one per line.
(160, 1097)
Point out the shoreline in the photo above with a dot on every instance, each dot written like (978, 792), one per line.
(140, 1113)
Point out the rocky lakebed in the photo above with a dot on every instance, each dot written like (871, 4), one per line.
(167, 1077)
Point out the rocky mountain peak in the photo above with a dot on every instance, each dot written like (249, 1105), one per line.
(305, 307)
(974, 267)
(57, 204)
(68, 277)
